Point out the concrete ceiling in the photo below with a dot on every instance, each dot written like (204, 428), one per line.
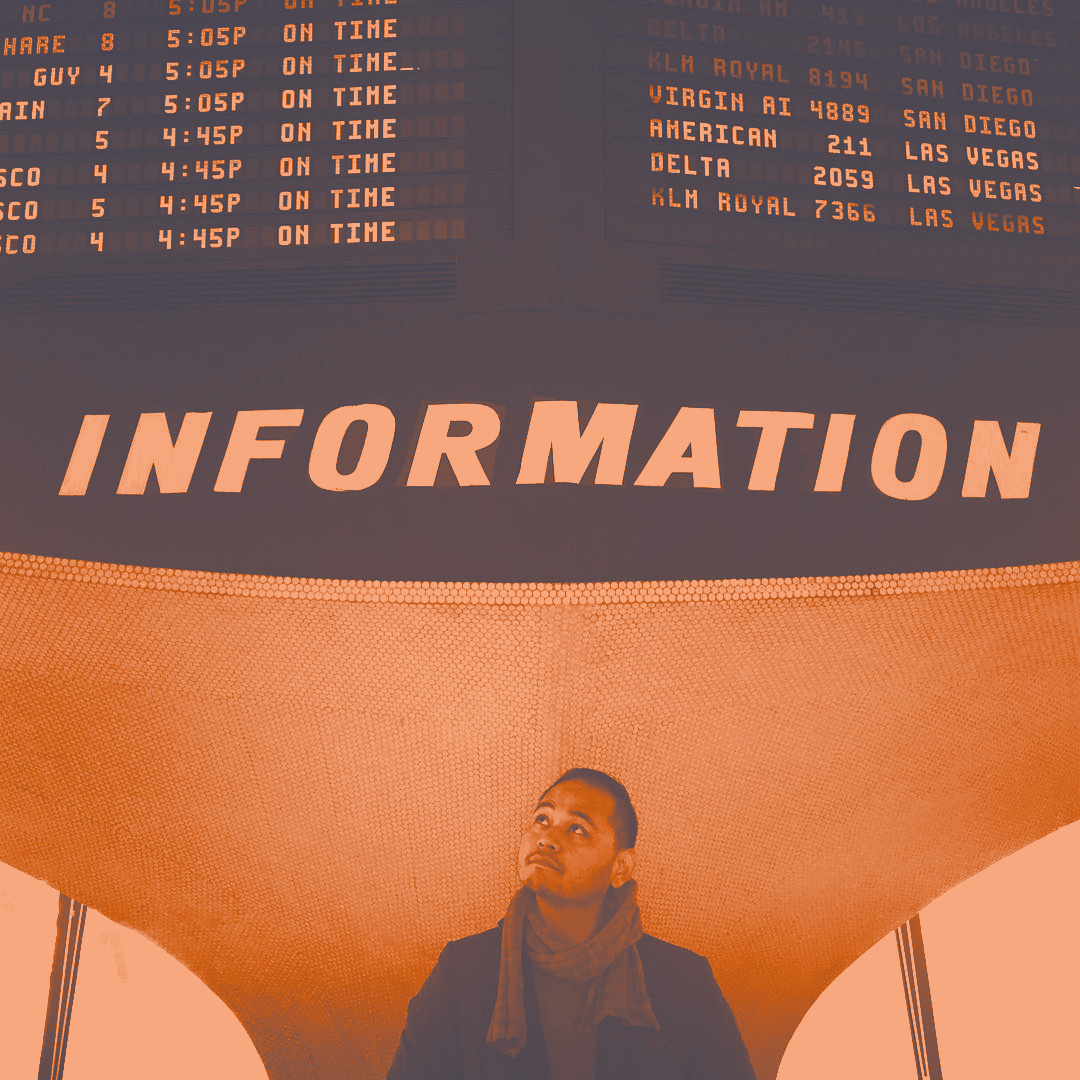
(302, 789)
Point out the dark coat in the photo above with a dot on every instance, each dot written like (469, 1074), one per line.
(446, 1031)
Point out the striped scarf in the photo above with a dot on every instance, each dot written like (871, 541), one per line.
(609, 958)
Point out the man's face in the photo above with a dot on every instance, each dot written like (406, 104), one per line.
(569, 850)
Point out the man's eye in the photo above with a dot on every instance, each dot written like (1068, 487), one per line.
(581, 829)
(540, 819)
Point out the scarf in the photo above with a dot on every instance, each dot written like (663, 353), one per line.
(609, 958)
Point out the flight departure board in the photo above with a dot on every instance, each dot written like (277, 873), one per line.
(210, 129)
(888, 137)
(933, 130)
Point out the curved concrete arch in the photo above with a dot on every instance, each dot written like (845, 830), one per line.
(1001, 950)
(134, 1008)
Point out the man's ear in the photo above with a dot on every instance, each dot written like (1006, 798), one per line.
(622, 869)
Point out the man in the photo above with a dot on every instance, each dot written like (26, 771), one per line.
(568, 987)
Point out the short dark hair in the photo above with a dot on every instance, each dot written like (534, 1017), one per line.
(624, 818)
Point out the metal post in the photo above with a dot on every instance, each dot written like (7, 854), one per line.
(909, 943)
(69, 932)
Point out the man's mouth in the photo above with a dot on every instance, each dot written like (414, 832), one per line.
(543, 860)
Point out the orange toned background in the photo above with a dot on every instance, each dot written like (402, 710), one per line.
(303, 789)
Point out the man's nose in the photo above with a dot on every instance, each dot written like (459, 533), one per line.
(548, 842)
